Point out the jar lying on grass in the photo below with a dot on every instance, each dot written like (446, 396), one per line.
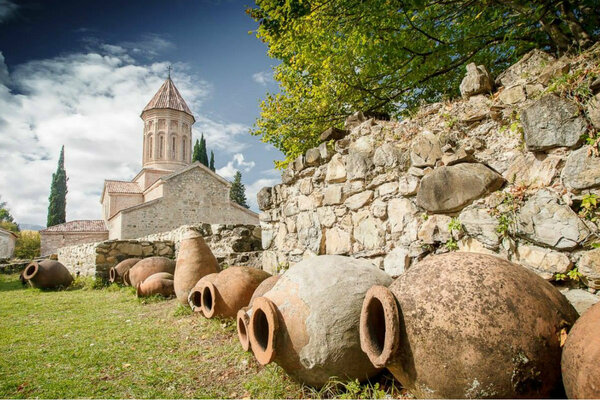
(47, 274)
(463, 325)
(308, 323)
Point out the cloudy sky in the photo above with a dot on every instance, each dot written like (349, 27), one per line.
(79, 73)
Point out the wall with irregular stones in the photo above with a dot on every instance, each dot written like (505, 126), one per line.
(506, 173)
(231, 244)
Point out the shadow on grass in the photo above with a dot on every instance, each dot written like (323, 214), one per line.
(11, 282)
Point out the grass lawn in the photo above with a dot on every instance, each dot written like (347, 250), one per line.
(106, 343)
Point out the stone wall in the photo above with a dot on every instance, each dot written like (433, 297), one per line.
(52, 241)
(193, 196)
(231, 244)
(96, 259)
(503, 173)
(7, 244)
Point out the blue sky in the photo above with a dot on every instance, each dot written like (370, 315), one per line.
(79, 73)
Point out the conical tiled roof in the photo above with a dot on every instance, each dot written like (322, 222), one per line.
(168, 97)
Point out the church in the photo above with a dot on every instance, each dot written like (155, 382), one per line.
(169, 191)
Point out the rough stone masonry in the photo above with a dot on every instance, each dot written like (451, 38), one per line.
(499, 171)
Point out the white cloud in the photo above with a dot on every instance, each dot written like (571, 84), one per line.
(263, 77)
(7, 10)
(90, 103)
(237, 163)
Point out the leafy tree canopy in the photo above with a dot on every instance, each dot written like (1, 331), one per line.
(387, 56)
(6, 219)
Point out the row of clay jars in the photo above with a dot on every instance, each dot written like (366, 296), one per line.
(308, 323)
(581, 357)
(243, 315)
(160, 283)
(120, 272)
(225, 293)
(47, 274)
(194, 261)
(149, 266)
(464, 325)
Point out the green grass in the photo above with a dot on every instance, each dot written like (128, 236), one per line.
(85, 342)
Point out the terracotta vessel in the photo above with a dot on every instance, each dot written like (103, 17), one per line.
(581, 357)
(47, 274)
(243, 315)
(308, 322)
(195, 296)
(194, 261)
(160, 283)
(149, 266)
(463, 325)
(231, 290)
(116, 273)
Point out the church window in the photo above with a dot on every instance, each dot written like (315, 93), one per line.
(149, 147)
(173, 149)
(161, 147)
(183, 150)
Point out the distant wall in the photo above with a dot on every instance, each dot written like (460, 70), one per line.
(7, 245)
(52, 241)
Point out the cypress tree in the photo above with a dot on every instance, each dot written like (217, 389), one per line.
(57, 209)
(238, 191)
(203, 155)
(212, 161)
(196, 153)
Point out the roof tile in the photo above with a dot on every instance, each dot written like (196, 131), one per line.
(168, 97)
(86, 225)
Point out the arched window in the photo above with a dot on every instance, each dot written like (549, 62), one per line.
(150, 147)
(183, 150)
(161, 147)
(173, 148)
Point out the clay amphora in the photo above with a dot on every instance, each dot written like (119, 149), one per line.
(468, 325)
(116, 273)
(194, 261)
(581, 357)
(160, 283)
(195, 296)
(231, 290)
(149, 266)
(243, 315)
(47, 274)
(308, 322)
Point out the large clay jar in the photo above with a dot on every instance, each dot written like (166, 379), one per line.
(116, 273)
(243, 315)
(308, 322)
(195, 296)
(464, 325)
(149, 266)
(230, 290)
(581, 357)
(160, 283)
(47, 274)
(194, 261)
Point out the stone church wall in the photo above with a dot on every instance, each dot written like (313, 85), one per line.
(505, 173)
(192, 197)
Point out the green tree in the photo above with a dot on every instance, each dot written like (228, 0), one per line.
(387, 56)
(237, 192)
(196, 153)
(28, 245)
(212, 161)
(6, 219)
(57, 209)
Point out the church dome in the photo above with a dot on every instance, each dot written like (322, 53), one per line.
(168, 97)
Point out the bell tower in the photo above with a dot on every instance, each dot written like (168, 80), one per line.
(167, 130)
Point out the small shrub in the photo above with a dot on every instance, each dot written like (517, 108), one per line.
(28, 245)
(589, 207)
